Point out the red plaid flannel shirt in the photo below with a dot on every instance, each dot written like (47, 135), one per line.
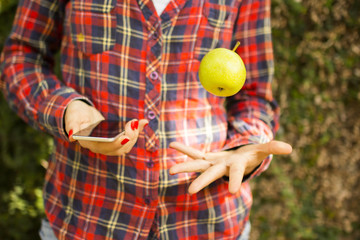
(128, 62)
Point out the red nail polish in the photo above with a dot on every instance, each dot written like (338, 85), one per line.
(123, 142)
(146, 124)
(70, 133)
(134, 124)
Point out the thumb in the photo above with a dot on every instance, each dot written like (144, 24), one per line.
(76, 126)
(72, 127)
(275, 147)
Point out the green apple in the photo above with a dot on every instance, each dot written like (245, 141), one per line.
(222, 72)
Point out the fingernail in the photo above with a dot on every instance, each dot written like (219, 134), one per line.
(134, 124)
(70, 133)
(123, 142)
(146, 124)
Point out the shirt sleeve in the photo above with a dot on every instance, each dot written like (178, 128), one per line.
(27, 66)
(253, 113)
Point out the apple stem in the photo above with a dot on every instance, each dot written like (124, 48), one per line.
(236, 46)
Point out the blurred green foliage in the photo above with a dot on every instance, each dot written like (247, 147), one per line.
(312, 194)
(22, 150)
(5, 5)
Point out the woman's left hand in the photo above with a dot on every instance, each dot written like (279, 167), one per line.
(234, 163)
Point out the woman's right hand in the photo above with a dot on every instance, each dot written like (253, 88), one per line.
(80, 115)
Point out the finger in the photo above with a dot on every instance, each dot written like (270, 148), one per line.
(132, 131)
(236, 174)
(105, 147)
(210, 175)
(131, 128)
(142, 124)
(190, 166)
(275, 147)
(191, 152)
(72, 129)
(76, 126)
(217, 157)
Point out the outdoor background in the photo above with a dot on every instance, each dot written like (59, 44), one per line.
(312, 194)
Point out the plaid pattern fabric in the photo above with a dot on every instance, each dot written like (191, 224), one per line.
(128, 62)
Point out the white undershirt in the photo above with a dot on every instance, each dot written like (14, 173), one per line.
(160, 5)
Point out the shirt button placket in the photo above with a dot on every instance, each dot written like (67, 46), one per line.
(153, 84)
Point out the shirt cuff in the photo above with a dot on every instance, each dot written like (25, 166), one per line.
(52, 111)
(263, 135)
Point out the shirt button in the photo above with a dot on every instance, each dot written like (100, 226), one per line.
(151, 115)
(154, 75)
(147, 201)
(155, 35)
(150, 164)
